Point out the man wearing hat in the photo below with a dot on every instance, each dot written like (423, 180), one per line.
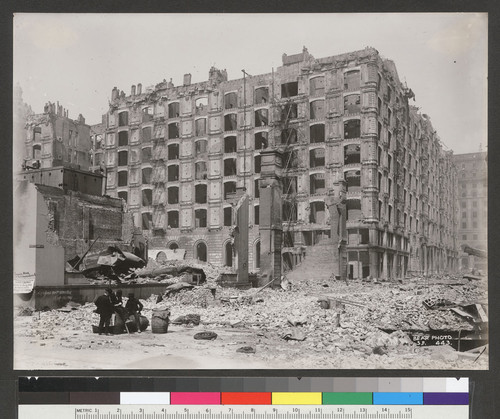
(105, 310)
(134, 307)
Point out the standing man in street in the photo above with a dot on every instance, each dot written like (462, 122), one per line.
(134, 307)
(105, 309)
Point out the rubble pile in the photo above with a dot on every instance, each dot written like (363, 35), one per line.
(368, 321)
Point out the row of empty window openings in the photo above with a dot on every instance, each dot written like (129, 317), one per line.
(261, 96)
(352, 129)
(317, 214)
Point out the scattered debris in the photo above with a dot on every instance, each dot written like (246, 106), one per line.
(246, 350)
(205, 336)
(294, 335)
(188, 319)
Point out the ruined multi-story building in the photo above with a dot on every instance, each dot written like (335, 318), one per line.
(343, 127)
(53, 139)
(473, 205)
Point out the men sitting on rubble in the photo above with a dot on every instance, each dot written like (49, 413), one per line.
(105, 309)
(134, 307)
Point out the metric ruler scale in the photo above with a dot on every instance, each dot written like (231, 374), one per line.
(242, 412)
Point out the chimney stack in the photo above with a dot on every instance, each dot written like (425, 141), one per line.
(139, 88)
(187, 79)
(132, 92)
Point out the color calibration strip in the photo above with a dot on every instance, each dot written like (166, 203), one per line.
(252, 398)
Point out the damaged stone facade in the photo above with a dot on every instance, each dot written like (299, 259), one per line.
(54, 139)
(343, 124)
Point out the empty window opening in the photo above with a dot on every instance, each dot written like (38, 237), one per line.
(256, 255)
(230, 167)
(200, 170)
(317, 133)
(173, 219)
(201, 127)
(261, 117)
(200, 194)
(257, 164)
(390, 213)
(147, 114)
(353, 210)
(173, 130)
(229, 189)
(289, 185)
(37, 134)
(352, 80)
(288, 239)
(228, 254)
(230, 144)
(122, 158)
(147, 134)
(389, 116)
(289, 212)
(123, 119)
(364, 236)
(146, 155)
(201, 105)
(123, 138)
(173, 151)
(317, 109)
(173, 246)
(173, 195)
(260, 140)
(317, 183)
(317, 86)
(289, 111)
(352, 154)
(147, 220)
(147, 173)
(256, 188)
(290, 89)
(200, 218)
(317, 212)
(122, 178)
(230, 122)
(200, 147)
(147, 197)
(123, 195)
(228, 216)
(290, 159)
(352, 104)
(201, 251)
(173, 110)
(353, 180)
(317, 157)
(352, 128)
(289, 136)
(37, 152)
(287, 261)
(261, 95)
(230, 100)
(173, 173)
(256, 215)
(379, 131)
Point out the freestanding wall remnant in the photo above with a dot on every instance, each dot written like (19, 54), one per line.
(271, 228)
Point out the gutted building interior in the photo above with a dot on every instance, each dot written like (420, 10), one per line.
(344, 126)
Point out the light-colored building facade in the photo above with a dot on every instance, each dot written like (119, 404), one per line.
(176, 154)
(473, 204)
(53, 139)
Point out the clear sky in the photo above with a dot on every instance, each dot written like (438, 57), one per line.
(77, 59)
